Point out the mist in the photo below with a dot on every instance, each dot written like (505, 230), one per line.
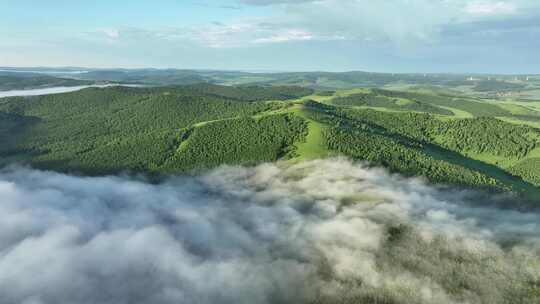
(324, 231)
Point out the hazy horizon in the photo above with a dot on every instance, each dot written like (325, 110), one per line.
(83, 69)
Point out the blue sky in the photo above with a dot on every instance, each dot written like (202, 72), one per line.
(492, 36)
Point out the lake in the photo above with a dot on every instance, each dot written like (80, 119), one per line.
(54, 90)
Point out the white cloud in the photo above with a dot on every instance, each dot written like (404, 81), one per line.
(113, 34)
(290, 35)
(490, 8)
(275, 233)
(398, 22)
(274, 2)
(216, 35)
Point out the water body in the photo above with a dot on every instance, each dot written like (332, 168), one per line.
(54, 90)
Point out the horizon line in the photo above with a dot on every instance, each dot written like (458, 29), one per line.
(85, 69)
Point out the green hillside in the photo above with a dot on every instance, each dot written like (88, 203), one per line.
(446, 139)
(99, 131)
(25, 81)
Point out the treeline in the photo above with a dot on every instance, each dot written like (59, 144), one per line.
(148, 76)
(242, 93)
(13, 125)
(529, 170)
(98, 131)
(238, 141)
(487, 135)
(106, 130)
(361, 79)
(24, 81)
(372, 99)
(476, 135)
(420, 144)
(408, 160)
(143, 152)
(477, 109)
(496, 85)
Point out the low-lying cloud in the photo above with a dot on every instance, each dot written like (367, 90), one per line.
(316, 232)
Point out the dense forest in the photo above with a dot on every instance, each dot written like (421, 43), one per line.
(399, 147)
(474, 107)
(496, 85)
(23, 81)
(422, 144)
(112, 129)
(195, 127)
(478, 135)
(238, 141)
(373, 99)
(529, 170)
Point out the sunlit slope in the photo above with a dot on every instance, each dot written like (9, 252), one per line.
(176, 129)
(511, 146)
(107, 130)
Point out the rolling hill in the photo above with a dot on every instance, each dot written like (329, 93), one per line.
(447, 139)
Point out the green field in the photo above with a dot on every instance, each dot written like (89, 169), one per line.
(314, 145)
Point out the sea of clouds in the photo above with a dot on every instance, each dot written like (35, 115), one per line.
(321, 231)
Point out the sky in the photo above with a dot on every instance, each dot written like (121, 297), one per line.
(488, 36)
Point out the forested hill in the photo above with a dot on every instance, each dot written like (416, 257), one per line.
(448, 140)
(240, 93)
(106, 130)
(25, 81)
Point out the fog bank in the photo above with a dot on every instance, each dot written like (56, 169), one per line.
(316, 232)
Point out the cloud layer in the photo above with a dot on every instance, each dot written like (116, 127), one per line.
(318, 232)
(463, 36)
(396, 23)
